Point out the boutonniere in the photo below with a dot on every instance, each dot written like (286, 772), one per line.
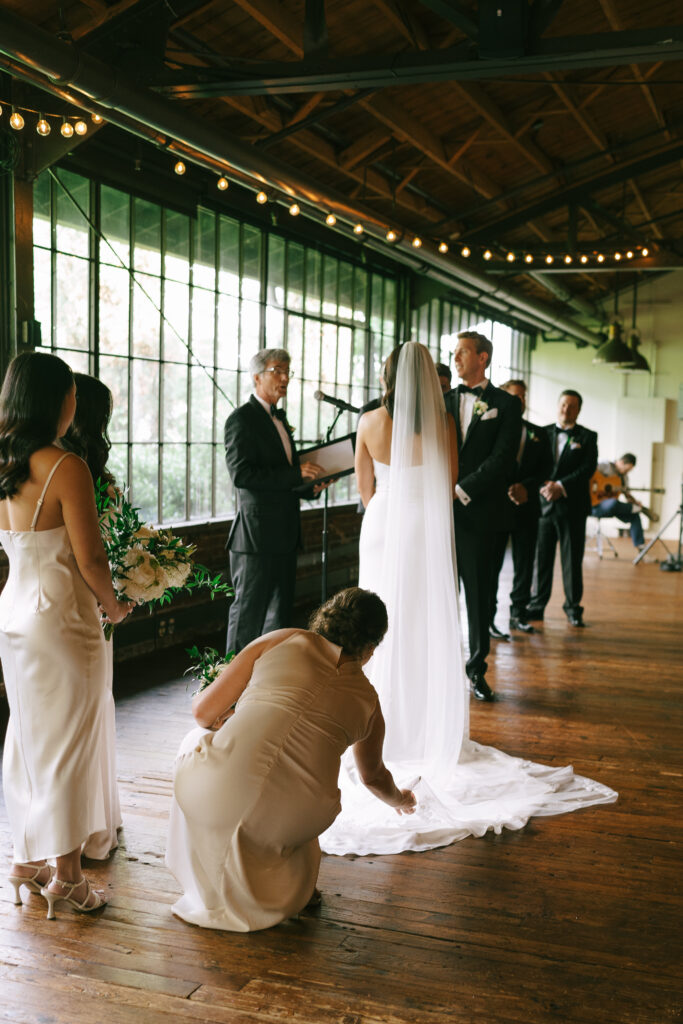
(530, 436)
(479, 407)
(574, 445)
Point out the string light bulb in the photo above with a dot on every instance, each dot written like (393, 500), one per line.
(66, 129)
(295, 210)
(550, 259)
(330, 220)
(488, 254)
(261, 198)
(180, 167)
(358, 229)
(601, 258)
(617, 256)
(96, 119)
(528, 258)
(443, 247)
(391, 235)
(16, 120)
(80, 127)
(629, 254)
(567, 259)
(584, 258)
(43, 126)
(222, 183)
(417, 242)
(510, 257)
(645, 251)
(465, 251)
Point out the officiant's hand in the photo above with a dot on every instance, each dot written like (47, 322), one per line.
(319, 488)
(309, 470)
(408, 802)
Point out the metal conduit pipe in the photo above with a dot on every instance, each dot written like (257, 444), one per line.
(69, 72)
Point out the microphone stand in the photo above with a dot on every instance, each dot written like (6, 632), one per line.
(674, 563)
(326, 498)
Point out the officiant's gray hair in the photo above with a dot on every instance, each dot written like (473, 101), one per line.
(259, 362)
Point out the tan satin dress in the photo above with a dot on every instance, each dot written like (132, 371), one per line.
(251, 799)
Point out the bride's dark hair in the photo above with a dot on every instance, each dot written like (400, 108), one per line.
(389, 374)
(87, 436)
(355, 619)
(31, 401)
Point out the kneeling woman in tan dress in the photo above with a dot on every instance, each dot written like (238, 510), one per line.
(252, 794)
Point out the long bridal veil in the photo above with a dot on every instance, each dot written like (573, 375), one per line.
(407, 556)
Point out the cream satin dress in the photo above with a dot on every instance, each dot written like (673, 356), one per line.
(54, 663)
(251, 799)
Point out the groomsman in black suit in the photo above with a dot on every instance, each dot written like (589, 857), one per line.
(565, 506)
(266, 534)
(488, 423)
(532, 467)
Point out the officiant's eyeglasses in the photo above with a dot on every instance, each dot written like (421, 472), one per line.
(280, 372)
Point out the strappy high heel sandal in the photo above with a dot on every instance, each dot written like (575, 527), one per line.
(30, 881)
(81, 906)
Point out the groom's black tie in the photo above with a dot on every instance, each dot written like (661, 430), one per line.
(464, 390)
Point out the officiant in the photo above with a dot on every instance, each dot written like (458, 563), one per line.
(266, 534)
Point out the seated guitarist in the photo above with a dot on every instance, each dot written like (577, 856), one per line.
(609, 481)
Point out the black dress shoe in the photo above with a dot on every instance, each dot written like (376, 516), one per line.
(576, 620)
(497, 634)
(481, 689)
(521, 625)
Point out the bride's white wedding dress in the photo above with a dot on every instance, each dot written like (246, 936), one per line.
(407, 556)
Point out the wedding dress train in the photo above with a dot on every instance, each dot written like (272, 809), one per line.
(407, 556)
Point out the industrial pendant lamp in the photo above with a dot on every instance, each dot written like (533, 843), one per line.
(614, 352)
(639, 363)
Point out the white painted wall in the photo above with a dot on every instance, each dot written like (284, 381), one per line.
(631, 412)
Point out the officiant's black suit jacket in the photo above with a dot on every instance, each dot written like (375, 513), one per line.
(574, 468)
(487, 456)
(267, 520)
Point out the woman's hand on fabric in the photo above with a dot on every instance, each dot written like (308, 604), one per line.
(222, 719)
(408, 802)
(116, 611)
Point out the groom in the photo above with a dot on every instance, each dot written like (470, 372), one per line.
(489, 424)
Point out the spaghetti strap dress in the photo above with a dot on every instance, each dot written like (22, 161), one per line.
(54, 663)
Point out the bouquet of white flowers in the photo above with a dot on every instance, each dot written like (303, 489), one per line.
(147, 564)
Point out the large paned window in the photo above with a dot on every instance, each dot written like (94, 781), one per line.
(168, 309)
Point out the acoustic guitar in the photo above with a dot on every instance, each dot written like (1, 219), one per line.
(604, 486)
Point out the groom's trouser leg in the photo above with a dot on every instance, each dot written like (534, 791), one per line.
(572, 547)
(473, 552)
(545, 564)
(264, 593)
(497, 558)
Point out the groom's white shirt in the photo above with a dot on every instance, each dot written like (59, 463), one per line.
(466, 406)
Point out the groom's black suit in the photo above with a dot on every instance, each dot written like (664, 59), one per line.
(486, 458)
(266, 533)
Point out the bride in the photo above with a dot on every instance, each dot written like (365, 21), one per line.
(406, 468)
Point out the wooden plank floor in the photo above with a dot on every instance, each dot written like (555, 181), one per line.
(574, 919)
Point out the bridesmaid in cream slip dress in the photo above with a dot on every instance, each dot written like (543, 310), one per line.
(51, 641)
(252, 796)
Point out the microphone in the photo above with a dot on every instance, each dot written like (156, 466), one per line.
(338, 403)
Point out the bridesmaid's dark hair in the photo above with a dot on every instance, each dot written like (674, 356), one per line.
(354, 619)
(31, 401)
(87, 436)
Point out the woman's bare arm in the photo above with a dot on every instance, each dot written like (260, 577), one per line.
(74, 490)
(452, 448)
(211, 704)
(373, 772)
(365, 472)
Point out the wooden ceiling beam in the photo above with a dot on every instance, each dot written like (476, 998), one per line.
(656, 230)
(103, 15)
(363, 147)
(402, 124)
(484, 105)
(306, 108)
(615, 22)
(404, 21)
(582, 118)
